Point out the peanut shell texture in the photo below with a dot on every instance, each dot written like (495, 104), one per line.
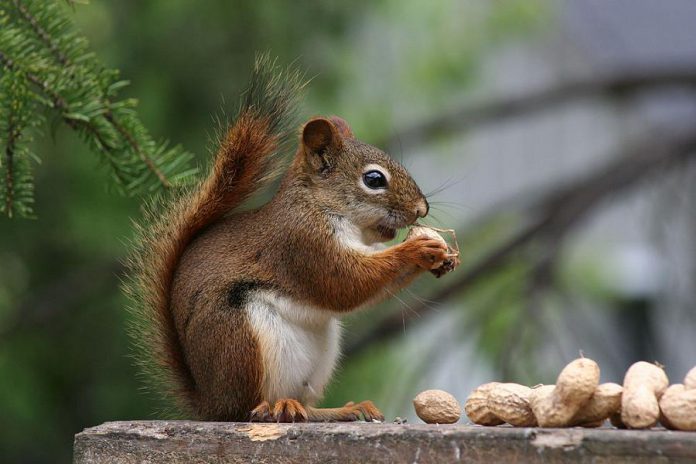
(510, 402)
(644, 384)
(678, 406)
(476, 406)
(437, 407)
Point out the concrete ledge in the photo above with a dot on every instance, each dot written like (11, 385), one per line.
(210, 442)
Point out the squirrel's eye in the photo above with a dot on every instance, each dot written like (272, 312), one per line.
(375, 180)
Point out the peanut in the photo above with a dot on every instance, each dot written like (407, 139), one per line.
(437, 407)
(574, 387)
(476, 406)
(421, 231)
(452, 261)
(678, 404)
(605, 401)
(644, 384)
(510, 402)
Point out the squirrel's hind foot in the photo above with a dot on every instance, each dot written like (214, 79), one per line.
(350, 412)
(289, 410)
(286, 410)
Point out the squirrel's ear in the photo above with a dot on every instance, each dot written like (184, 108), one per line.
(342, 126)
(319, 137)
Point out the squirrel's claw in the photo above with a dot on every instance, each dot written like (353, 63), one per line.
(448, 265)
(289, 410)
(261, 413)
(286, 410)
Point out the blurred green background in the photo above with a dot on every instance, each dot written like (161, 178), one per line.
(382, 65)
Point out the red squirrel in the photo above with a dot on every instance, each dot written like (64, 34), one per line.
(239, 311)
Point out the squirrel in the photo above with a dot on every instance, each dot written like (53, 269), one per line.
(239, 311)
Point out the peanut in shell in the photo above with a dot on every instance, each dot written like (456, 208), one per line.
(510, 402)
(639, 408)
(574, 387)
(437, 407)
(438, 269)
(605, 401)
(476, 406)
(422, 231)
(644, 384)
(541, 402)
(678, 407)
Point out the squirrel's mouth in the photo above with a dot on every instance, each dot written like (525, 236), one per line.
(386, 229)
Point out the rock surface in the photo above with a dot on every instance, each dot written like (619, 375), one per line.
(197, 442)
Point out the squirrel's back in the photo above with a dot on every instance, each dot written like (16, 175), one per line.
(244, 163)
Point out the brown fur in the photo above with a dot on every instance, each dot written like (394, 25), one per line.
(312, 245)
(288, 245)
(239, 168)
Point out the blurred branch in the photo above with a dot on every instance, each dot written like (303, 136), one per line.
(538, 281)
(554, 216)
(477, 114)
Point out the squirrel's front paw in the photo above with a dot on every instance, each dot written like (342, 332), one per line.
(261, 413)
(425, 252)
(449, 265)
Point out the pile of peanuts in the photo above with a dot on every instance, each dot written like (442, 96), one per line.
(578, 399)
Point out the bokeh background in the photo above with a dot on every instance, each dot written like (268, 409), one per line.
(550, 133)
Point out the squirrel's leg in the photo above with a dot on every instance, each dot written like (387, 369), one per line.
(365, 278)
(224, 358)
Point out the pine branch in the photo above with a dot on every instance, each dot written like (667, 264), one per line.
(59, 103)
(41, 33)
(63, 60)
(39, 43)
(17, 122)
(79, 47)
(136, 148)
(13, 132)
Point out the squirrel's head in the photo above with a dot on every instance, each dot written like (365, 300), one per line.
(357, 181)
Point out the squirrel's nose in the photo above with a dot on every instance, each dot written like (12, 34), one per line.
(422, 208)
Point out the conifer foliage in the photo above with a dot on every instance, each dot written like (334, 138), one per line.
(47, 69)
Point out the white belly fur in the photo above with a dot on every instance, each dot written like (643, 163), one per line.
(299, 346)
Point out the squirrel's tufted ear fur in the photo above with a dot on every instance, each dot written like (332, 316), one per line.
(342, 126)
(322, 139)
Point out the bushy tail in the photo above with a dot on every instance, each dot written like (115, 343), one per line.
(244, 162)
